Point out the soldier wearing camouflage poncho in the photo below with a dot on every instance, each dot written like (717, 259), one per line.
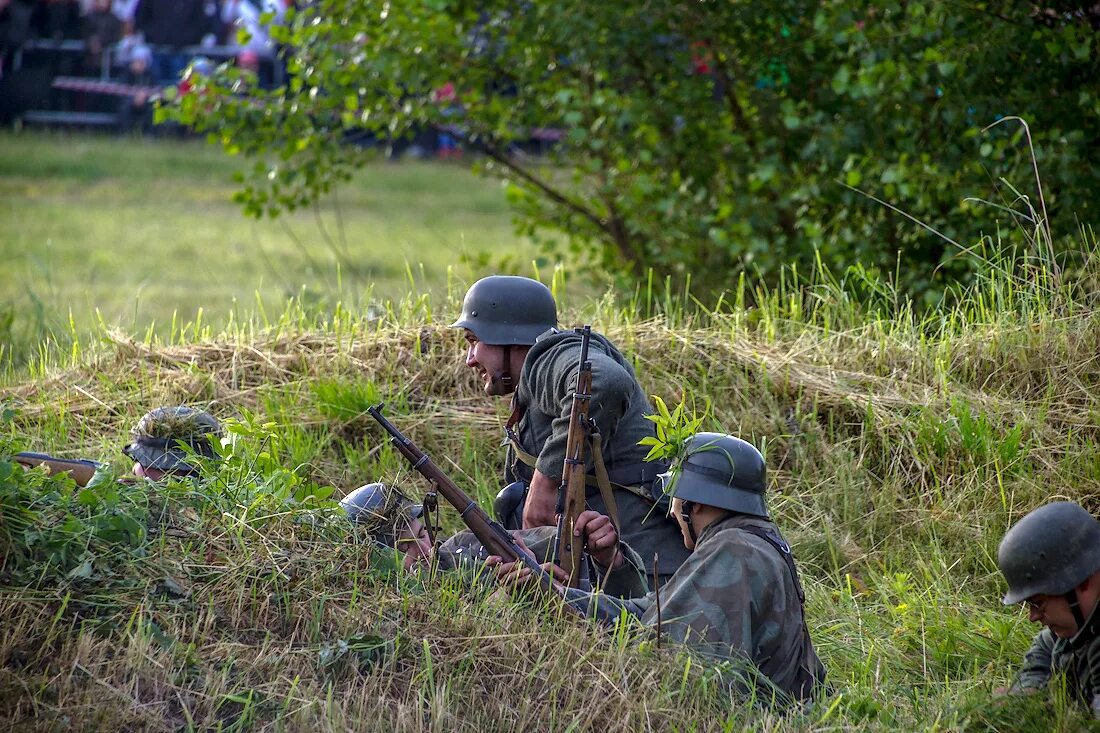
(510, 326)
(737, 596)
(1051, 560)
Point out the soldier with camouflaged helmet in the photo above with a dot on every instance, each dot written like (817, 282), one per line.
(161, 444)
(395, 521)
(1051, 561)
(738, 596)
(164, 440)
(510, 326)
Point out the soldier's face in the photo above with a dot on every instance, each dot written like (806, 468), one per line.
(415, 544)
(488, 361)
(677, 511)
(153, 474)
(1054, 611)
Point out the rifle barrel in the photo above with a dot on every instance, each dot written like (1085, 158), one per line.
(490, 533)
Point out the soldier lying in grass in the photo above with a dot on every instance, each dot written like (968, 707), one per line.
(161, 444)
(393, 520)
(1051, 560)
(738, 595)
(164, 440)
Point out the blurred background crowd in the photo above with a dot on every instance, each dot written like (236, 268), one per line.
(85, 61)
(159, 29)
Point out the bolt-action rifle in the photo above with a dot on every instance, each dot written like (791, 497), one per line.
(571, 502)
(495, 539)
(80, 469)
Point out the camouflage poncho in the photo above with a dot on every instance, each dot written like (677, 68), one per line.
(734, 598)
(1078, 658)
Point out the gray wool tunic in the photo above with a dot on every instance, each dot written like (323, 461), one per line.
(618, 407)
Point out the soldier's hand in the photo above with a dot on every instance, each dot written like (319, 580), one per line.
(601, 541)
(516, 575)
(542, 501)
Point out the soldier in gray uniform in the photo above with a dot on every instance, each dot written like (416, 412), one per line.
(164, 439)
(738, 596)
(394, 521)
(510, 326)
(1051, 560)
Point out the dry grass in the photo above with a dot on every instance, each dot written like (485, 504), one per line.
(900, 451)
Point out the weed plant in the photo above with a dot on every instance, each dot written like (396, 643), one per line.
(901, 445)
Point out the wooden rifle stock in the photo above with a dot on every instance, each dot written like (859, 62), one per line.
(571, 495)
(82, 470)
(493, 536)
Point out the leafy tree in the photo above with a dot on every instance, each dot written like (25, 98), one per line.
(698, 137)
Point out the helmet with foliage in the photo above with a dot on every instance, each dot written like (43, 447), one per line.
(383, 511)
(1050, 551)
(166, 438)
(504, 310)
(718, 470)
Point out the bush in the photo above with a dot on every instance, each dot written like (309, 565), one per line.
(699, 138)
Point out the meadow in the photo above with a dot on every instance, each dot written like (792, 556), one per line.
(144, 233)
(901, 444)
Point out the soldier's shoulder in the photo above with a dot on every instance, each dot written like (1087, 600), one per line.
(733, 543)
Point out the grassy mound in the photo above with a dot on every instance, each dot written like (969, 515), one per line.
(900, 450)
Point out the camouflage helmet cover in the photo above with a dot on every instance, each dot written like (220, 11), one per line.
(504, 310)
(1049, 552)
(164, 437)
(718, 470)
(381, 510)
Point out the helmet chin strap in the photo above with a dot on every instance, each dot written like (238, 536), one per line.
(504, 376)
(1075, 606)
(685, 514)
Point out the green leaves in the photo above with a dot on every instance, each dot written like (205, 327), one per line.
(674, 428)
(696, 137)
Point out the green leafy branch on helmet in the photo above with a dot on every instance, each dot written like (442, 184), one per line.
(674, 429)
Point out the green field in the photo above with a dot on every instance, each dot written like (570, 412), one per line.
(142, 229)
(900, 446)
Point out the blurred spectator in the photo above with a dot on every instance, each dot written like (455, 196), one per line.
(15, 28)
(58, 19)
(446, 97)
(125, 10)
(249, 60)
(245, 15)
(125, 47)
(102, 29)
(169, 26)
(215, 27)
(135, 112)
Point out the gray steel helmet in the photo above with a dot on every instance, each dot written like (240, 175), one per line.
(1050, 551)
(718, 470)
(504, 310)
(381, 510)
(164, 438)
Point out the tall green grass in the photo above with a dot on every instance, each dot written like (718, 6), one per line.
(901, 444)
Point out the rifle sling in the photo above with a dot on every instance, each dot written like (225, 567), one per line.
(633, 478)
(602, 481)
(630, 478)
